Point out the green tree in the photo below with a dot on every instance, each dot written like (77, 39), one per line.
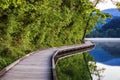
(93, 16)
(27, 25)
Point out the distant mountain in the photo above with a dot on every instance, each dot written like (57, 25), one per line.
(114, 12)
(113, 24)
(111, 28)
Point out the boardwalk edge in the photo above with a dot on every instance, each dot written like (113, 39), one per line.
(6, 69)
(62, 53)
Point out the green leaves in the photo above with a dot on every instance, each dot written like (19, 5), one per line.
(118, 5)
(27, 25)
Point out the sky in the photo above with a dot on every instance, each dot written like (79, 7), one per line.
(106, 4)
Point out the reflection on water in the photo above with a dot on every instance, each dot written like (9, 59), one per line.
(107, 53)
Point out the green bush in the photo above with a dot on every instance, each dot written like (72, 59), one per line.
(27, 25)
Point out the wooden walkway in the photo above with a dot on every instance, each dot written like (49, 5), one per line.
(37, 66)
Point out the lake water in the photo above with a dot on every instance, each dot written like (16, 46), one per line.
(107, 55)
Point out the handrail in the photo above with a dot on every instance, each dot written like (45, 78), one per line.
(62, 53)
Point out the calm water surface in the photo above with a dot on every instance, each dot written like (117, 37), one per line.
(107, 52)
(107, 55)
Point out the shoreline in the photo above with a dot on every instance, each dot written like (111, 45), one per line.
(103, 39)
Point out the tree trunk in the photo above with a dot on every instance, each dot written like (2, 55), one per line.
(87, 23)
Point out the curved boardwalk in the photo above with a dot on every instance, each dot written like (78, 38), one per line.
(37, 66)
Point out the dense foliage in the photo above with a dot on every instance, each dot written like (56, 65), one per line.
(27, 25)
(110, 29)
(74, 68)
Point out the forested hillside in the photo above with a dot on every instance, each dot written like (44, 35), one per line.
(110, 29)
(27, 25)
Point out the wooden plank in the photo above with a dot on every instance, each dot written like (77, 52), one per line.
(37, 66)
(34, 67)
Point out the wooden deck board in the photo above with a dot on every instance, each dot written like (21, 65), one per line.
(37, 66)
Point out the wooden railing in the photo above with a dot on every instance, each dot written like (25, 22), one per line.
(68, 51)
